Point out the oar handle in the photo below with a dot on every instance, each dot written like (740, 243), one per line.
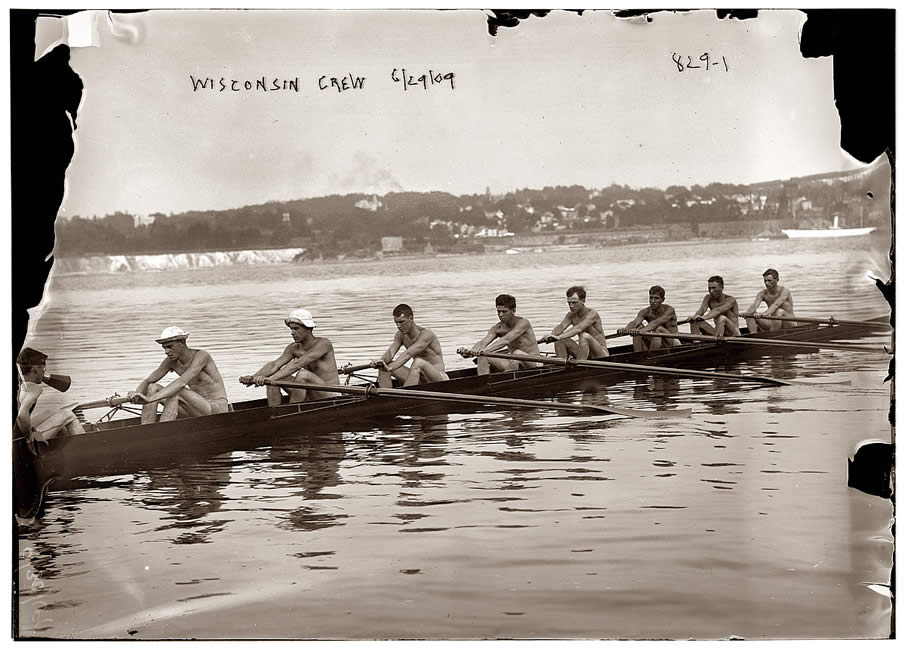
(109, 402)
(348, 368)
(623, 332)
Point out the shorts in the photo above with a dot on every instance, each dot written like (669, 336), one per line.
(219, 405)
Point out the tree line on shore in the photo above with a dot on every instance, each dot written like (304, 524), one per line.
(336, 224)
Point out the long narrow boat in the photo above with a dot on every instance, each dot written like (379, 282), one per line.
(122, 446)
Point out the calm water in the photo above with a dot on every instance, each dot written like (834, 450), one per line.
(480, 524)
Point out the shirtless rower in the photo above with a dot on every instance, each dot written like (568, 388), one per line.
(721, 308)
(660, 317)
(512, 331)
(779, 303)
(582, 322)
(422, 347)
(44, 423)
(198, 391)
(308, 358)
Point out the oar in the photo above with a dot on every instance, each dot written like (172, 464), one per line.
(763, 341)
(109, 402)
(826, 321)
(633, 367)
(621, 333)
(474, 398)
(348, 368)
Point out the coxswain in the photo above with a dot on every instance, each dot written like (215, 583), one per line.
(39, 424)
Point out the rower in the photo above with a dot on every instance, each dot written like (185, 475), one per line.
(721, 308)
(512, 331)
(779, 303)
(308, 358)
(582, 322)
(44, 423)
(422, 348)
(660, 318)
(198, 391)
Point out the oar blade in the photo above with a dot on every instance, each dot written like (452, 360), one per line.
(643, 414)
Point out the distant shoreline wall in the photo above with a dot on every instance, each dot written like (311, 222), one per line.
(173, 261)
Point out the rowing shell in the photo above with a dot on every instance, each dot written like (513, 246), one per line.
(123, 445)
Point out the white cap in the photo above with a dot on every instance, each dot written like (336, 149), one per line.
(171, 334)
(302, 317)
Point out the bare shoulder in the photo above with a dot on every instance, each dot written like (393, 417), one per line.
(324, 343)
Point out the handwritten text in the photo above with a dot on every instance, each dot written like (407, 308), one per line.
(704, 62)
(424, 81)
(264, 84)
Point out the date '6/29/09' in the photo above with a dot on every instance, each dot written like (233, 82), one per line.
(423, 81)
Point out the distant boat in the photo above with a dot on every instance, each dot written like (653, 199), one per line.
(830, 232)
(827, 233)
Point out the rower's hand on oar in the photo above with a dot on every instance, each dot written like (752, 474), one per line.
(694, 318)
(247, 381)
(380, 365)
(138, 397)
(464, 352)
(548, 339)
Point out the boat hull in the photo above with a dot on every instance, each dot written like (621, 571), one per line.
(124, 446)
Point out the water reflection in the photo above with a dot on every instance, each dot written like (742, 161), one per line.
(189, 495)
(306, 468)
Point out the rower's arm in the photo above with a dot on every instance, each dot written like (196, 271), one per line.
(486, 340)
(561, 327)
(703, 308)
(721, 309)
(669, 313)
(637, 320)
(581, 326)
(780, 302)
(756, 303)
(422, 342)
(201, 359)
(518, 330)
(321, 348)
(23, 416)
(393, 349)
(162, 370)
(277, 363)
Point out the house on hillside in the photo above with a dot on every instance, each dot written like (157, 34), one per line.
(390, 245)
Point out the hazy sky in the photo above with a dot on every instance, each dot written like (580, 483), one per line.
(566, 99)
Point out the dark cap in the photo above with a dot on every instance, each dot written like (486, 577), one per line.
(29, 356)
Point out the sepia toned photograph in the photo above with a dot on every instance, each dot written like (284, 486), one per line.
(452, 325)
